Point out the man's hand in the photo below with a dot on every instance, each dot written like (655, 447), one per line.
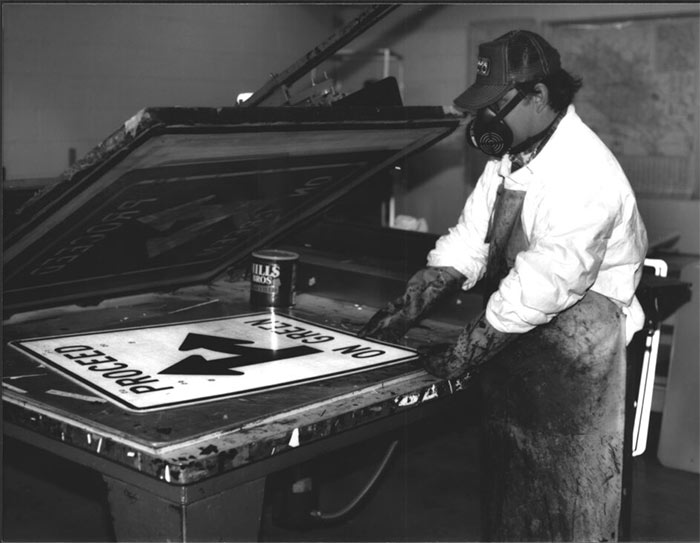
(439, 360)
(423, 291)
(388, 324)
(477, 343)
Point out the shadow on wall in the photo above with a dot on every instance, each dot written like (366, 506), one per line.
(453, 152)
(432, 162)
(438, 181)
(323, 15)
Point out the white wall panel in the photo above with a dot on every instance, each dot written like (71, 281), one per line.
(72, 73)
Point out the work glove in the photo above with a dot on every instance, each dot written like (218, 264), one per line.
(476, 344)
(423, 291)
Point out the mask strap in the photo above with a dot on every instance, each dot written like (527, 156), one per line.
(509, 106)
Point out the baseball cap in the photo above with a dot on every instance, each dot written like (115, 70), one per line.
(516, 57)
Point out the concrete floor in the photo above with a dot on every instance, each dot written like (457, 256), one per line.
(429, 492)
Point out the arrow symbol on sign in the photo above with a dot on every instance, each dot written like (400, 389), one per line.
(246, 356)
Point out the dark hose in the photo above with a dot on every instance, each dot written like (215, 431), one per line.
(320, 515)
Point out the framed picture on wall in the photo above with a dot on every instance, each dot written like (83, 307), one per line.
(640, 95)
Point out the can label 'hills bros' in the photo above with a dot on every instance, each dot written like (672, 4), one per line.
(273, 278)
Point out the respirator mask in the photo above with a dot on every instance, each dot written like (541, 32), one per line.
(488, 131)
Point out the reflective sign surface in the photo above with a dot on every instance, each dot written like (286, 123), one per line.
(178, 364)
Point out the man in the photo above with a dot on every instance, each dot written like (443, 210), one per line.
(553, 228)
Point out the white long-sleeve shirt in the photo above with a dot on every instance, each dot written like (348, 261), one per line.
(582, 225)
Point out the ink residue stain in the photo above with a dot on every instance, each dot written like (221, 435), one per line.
(210, 449)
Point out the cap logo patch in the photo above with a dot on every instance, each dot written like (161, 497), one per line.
(483, 66)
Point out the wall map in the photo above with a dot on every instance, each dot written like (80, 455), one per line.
(640, 94)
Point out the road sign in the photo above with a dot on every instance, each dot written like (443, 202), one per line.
(164, 366)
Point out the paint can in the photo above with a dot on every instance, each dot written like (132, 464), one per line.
(273, 278)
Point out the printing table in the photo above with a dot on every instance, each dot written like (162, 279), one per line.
(149, 228)
(154, 226)
(198, 472)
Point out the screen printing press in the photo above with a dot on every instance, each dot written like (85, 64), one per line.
(130, 343)
(131, 347)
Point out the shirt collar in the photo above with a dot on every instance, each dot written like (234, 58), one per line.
(524, 157)
(522, 175)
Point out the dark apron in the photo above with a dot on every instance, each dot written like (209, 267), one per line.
(553, 414)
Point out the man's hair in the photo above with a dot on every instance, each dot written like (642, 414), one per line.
(562, 87)
(528, 55)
